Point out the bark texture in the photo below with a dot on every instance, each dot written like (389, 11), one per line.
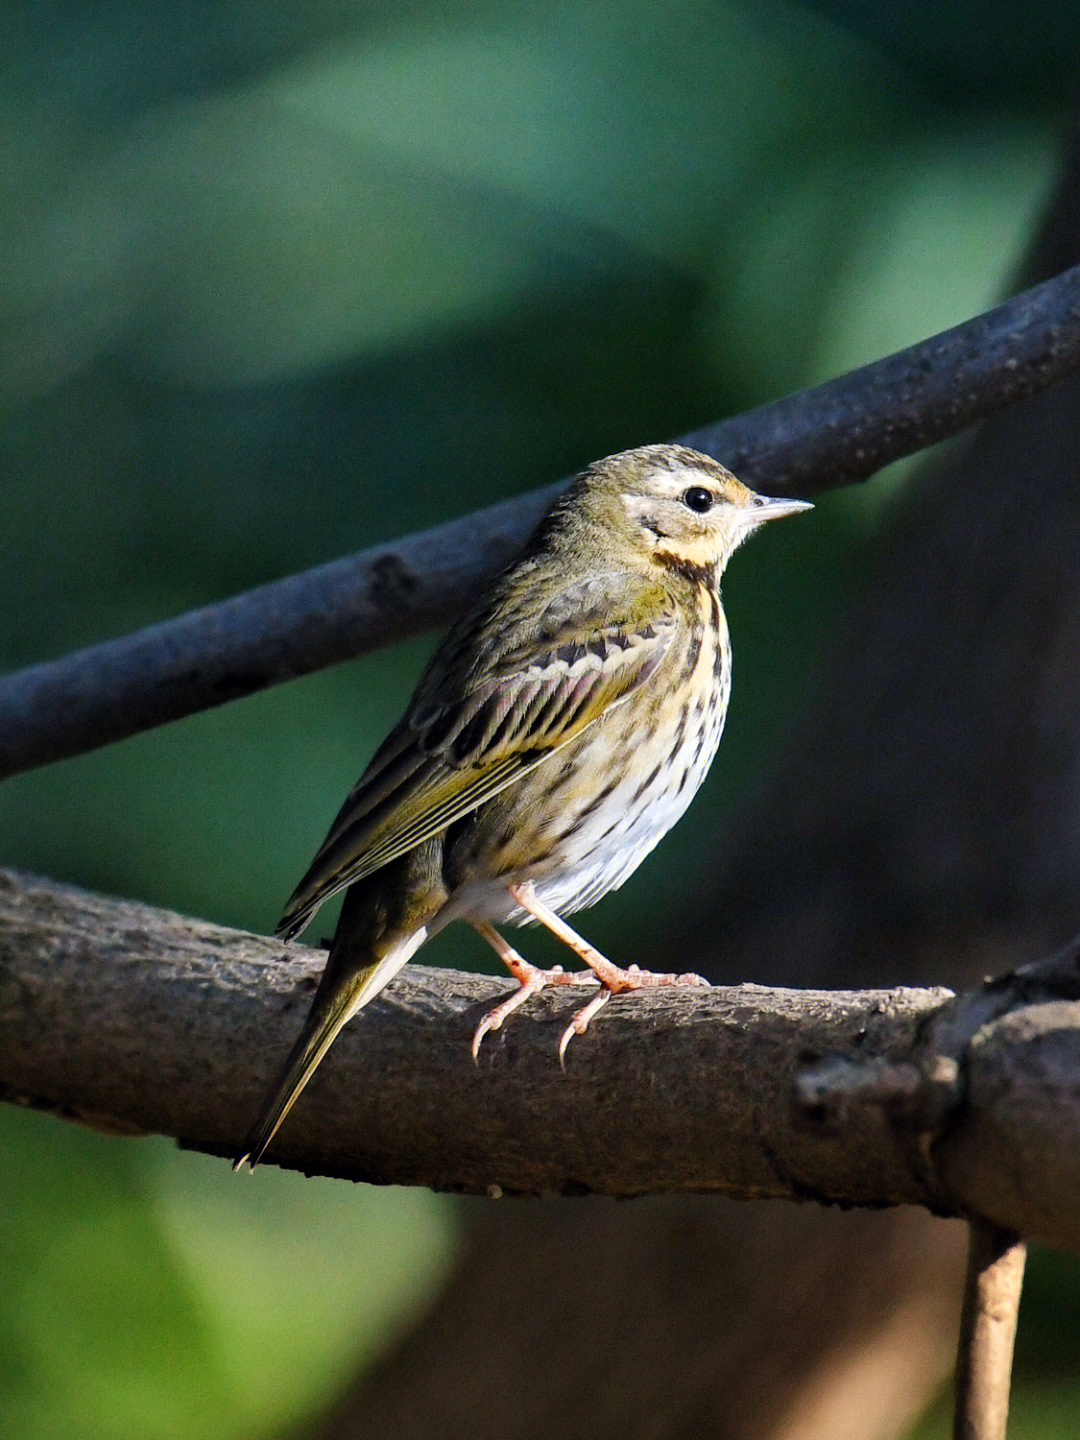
(141, 1020)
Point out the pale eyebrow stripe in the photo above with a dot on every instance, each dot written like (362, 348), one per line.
(676, 481)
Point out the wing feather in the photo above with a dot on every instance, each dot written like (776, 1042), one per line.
(460, 745)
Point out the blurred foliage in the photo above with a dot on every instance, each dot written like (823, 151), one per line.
(279, 281)
(145, 1295)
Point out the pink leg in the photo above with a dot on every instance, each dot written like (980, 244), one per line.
(613, 977)
(531, 980)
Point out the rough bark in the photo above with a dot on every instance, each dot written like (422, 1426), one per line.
(838, 432)
(141, 1020)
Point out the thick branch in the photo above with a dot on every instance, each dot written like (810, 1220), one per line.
(835, 433)
(140, 1020)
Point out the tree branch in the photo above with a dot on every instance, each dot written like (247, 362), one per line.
(835, 433)
(138, 1020)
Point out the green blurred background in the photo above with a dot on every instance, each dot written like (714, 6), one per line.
(278, 281)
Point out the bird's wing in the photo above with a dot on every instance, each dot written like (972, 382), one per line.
(470, 733)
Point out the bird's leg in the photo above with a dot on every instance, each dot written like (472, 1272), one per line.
(531, 980)
(613, 978)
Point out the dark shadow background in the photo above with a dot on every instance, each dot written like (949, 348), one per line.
(277, 282)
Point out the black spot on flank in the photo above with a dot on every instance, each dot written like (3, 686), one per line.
(693, 650)
(565, 775)
(597, 800)
(652, 775)
(568, 654)
(610, 829)
(697, 748)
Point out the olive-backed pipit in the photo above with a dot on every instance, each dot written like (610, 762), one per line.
(561, 728)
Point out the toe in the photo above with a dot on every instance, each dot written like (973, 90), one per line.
(580, 1023)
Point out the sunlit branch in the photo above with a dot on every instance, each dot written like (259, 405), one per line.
(836, 433)
(138, 1020)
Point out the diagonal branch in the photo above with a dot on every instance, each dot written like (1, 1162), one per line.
(836, 433)
(139, 1020)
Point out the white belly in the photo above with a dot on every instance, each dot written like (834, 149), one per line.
(610, 843)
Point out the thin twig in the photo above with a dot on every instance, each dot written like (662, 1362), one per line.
(833, 434)
(995, 1277)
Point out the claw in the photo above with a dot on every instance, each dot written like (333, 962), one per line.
(529, 985)
(580, 1023)
(613, 979)
(617, 981)
(531, 980)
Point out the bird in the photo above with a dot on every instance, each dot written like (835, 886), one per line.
(560, 729)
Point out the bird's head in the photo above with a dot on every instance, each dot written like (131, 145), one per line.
(677, 508)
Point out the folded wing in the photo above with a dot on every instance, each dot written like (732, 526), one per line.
(472, 731)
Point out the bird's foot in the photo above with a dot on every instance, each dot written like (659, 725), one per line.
(615, 980)
(530, 981)
(612, 979)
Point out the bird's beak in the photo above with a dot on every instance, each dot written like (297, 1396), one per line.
(766, 508)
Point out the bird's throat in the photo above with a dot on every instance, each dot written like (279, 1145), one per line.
(701, 572)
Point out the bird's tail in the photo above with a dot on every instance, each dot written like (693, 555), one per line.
(338, 998)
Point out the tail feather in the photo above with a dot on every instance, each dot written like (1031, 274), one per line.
(336, 1001)
(296, 917)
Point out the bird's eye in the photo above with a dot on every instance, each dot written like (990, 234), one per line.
(698, 499)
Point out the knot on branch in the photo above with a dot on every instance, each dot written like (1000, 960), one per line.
(992, 1073)
(916, 1095)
